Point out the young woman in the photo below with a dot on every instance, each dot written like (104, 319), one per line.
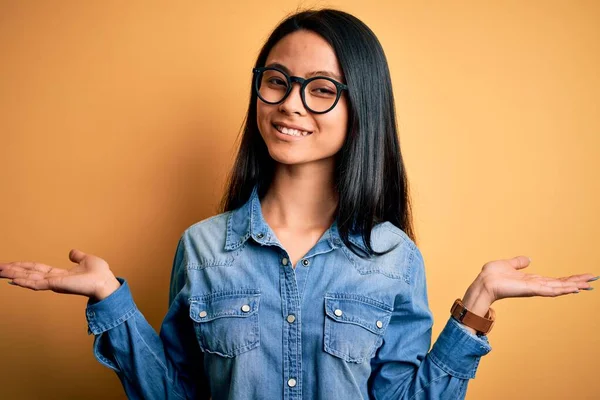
(309, 285)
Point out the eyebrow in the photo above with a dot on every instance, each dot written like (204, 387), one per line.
(314, 73)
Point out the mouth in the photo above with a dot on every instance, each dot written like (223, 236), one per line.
(291, 132)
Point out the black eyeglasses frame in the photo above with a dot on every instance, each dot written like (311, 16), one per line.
(303, 83)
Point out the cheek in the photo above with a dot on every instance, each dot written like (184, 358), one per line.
(336, 121)
(262, 112)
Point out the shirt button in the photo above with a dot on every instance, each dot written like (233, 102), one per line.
(305, 262)
(284, 261)
(260, 235)
(203, 314)
(291, 382)
(379, 324)
(245, 308)
(291, 318)
(338, 312)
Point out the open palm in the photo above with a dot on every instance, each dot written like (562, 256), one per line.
(91, 276)
(504, 278)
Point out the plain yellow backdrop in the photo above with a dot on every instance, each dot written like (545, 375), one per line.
(118, 124)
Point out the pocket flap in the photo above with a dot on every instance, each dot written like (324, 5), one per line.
(359, 310)
(210, 307)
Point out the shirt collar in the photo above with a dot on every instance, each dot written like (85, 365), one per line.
(248, 222)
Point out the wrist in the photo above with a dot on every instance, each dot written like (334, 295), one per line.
(107, 288)
(477, 299)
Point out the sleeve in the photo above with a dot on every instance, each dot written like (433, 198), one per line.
(404, 369)
(149, 365)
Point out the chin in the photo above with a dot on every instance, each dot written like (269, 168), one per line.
(288, 159)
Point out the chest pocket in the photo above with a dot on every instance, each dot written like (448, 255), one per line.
(226, 323)
(354, 326)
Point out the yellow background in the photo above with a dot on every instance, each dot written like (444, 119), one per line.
(118, 124)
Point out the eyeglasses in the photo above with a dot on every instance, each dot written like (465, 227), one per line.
(319, 94)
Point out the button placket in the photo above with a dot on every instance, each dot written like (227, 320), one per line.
(292, 337)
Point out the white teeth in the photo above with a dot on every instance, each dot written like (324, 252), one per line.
(290, 132)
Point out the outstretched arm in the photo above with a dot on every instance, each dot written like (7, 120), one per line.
(404, 367)
(150, 366)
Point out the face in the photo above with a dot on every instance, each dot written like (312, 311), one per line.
(304, 54)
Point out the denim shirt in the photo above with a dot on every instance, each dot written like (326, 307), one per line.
(243, 323)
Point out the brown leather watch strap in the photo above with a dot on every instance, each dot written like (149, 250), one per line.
(483, 325)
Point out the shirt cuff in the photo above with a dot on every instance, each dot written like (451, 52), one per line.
(112, 311)
(458, 351)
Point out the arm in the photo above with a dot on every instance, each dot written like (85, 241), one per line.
(403, 368)
(150, 366)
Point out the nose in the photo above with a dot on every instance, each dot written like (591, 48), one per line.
(293, 102)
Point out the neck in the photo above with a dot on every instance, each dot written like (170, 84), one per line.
(301, 197)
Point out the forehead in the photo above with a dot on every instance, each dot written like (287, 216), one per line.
(303, 52)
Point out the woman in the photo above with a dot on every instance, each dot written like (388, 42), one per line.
(309, 284)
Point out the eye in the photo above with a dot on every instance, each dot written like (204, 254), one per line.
(322, 88)
(323, 91)
(277, 81)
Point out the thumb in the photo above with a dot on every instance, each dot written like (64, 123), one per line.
(76, 256)
(520, 262)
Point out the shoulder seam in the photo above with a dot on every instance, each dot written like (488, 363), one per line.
(206, 220)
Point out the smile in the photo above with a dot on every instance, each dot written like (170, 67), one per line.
(291, 132)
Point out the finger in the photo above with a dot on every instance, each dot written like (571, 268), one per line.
(553, 289)
(28, 265)
(580, 277)
(31, 284)
(556, 283)
(14, 273)
(580, 284)
(20, 272)
(76, 256)
(556, 291)
(519, 262)
(17, 272)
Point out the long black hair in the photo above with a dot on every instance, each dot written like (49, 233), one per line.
(370, 175)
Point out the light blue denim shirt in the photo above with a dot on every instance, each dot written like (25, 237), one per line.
(243, 323)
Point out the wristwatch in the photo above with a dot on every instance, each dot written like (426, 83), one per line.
(483, 325)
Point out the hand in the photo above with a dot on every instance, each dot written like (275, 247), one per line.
(503, 278)
(91, 276)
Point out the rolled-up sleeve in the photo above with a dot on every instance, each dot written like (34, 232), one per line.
(112, 311)
(404, 368)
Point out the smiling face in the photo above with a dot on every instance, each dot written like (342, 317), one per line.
(293, 134)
